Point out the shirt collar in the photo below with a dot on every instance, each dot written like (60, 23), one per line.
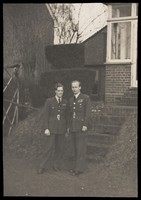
(76, 95)
(58, 98)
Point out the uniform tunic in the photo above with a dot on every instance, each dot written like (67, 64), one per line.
(55, 115)
(79, 116)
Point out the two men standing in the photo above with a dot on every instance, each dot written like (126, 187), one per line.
(70, 117)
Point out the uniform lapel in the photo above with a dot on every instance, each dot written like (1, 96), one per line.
(55, 100)
(71, 100)
(62, 100)
(79, 97)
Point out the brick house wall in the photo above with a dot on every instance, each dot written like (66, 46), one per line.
(113, 79)
(118, 80)
(28, 28)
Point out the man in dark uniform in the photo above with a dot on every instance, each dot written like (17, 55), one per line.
(55, 115)
(79, 116)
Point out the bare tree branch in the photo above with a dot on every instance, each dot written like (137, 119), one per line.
(72, 35)
(67, 29)
(92, 21)
(53, 14)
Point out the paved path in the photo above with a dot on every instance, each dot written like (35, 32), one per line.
(21, 179)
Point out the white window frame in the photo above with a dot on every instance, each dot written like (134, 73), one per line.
(133, 54)
(110, 21)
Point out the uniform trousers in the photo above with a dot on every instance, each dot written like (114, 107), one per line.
(54, 151)
(79, 142)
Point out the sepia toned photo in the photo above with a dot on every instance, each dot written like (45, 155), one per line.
(70, 91)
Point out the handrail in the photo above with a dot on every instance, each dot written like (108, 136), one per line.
(9, 106)
(7, 116)
(18, 104)
(12, 75)
(14, 115)
(8, 83)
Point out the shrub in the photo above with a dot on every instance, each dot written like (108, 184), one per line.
(65, 76)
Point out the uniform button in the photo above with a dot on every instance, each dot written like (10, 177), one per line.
(58, 110)
(74, 103)
(73, 107)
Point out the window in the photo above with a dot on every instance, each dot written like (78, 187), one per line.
(122, 10)
(121, 40)
(120, 37)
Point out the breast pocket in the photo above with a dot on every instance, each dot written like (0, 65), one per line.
(80, 105)
(63, 106)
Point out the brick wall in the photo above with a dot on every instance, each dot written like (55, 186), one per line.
(118, 80)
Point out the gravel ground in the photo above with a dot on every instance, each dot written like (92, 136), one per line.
(116, 177)
(21, 179)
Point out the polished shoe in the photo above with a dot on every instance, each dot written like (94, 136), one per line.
(40, 171)
(72, 172)
(76, 173)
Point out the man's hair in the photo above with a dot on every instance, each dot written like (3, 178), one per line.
(58, 85)
(76, 81)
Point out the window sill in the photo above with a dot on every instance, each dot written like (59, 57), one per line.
(117, 63)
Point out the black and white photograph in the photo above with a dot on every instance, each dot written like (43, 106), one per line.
(70, 99)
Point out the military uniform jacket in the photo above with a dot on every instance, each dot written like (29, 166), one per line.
(55, 115)
(79, 112)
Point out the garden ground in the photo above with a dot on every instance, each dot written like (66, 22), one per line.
(20, 178)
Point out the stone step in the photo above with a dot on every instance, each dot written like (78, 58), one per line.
(108, 129)
(132, 90)
(131, 101)
(111, 120)
(126, 98)
(95, 158)
(130, 94)
(101, 138)
(119, 110)
(97, 150)
(128, 103)
(98, 145)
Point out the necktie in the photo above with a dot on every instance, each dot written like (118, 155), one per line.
(59, 100)
(74, 98)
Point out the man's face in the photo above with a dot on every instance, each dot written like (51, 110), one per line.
(75, 87)
(59, 92)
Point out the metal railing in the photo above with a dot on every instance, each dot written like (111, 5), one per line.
(13, 76)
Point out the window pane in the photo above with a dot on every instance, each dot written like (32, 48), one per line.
(122, 10)
(121, 40)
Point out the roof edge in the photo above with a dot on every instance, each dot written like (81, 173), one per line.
(94, 34)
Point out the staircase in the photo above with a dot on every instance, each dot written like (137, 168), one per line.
(107, 124)
(129, 98)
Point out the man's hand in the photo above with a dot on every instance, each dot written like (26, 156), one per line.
(47, 132)
(84, 128)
